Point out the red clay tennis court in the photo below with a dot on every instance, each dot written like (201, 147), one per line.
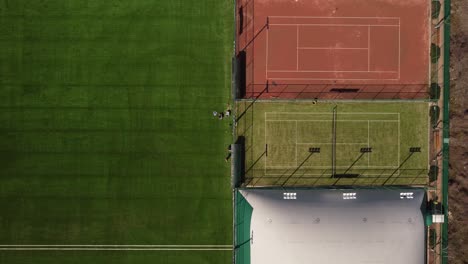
(343, 49)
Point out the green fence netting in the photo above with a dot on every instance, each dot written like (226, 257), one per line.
(243, 217)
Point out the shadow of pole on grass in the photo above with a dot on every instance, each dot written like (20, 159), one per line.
(397, 169)
(251, 103)
(298, 167)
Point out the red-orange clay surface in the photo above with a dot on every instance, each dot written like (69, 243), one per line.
(335, 49)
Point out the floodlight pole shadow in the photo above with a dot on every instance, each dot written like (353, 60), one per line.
(253, 165)
(300, 165)
(397, 169)
(251, 103)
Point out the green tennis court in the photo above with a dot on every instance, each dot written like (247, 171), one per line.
(304, 144)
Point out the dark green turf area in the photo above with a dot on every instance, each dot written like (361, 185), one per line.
(106, 127)
(138, 257)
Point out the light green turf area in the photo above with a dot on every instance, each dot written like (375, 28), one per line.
(106, 127)
(279, 135)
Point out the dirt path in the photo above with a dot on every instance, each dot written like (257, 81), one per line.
(458, 183)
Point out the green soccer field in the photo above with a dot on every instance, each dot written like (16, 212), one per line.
(106, 130)
(359, 144)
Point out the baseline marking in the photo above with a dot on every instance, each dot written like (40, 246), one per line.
(332, 71)
(330, 17)
(334, 25)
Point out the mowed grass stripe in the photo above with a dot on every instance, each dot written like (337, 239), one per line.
(116, 257)
(106, 132)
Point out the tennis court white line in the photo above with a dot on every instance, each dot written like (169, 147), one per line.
(296, 142)
(398, 18)
(326, 174)
(332, 48)
(328, 113)
(332, 71)
(399, 48)
(308, 120)
(267, 54)
(328, 167)
(329, 143)
(334, 25)
(265, 127)
(368, 142)
(399, 143)
(333, 79)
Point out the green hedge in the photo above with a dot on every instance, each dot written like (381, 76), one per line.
(435, 91)
(432, 238)
(433, 173)
(435, 9)
(434, 113)
(435, 53)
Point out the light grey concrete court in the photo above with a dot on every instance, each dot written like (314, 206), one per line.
(337, 226)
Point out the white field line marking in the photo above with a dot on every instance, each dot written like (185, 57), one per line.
(331, 48)
(108, 249)
(126, 246)
(368, 48)
(332, 79)
(333, 25)
(297, 48)
(332, 71)
(335, 17)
